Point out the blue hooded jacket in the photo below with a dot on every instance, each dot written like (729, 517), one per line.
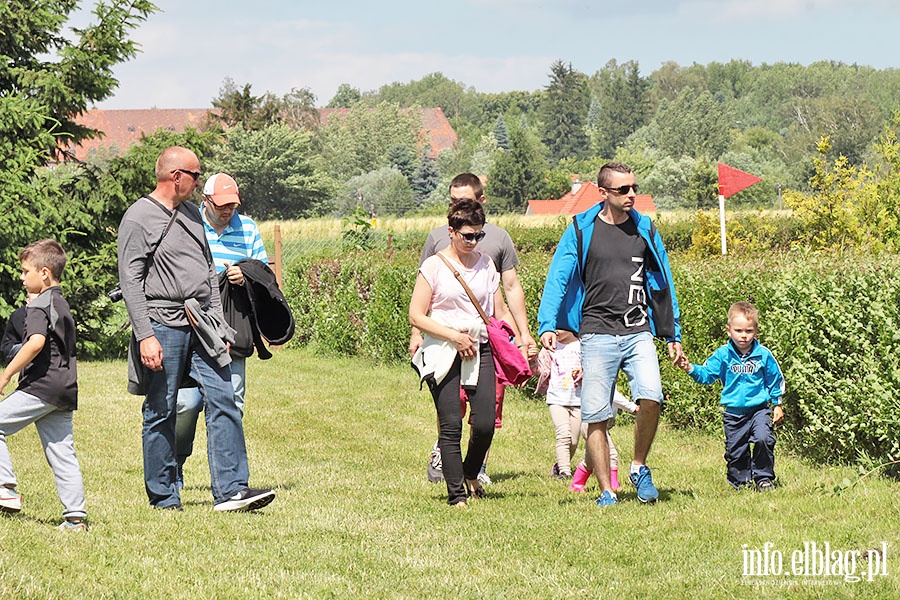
(748, 381)
(563, 295)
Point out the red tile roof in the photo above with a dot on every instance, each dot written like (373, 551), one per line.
(436, 129)
(582, 196)
(122, 128)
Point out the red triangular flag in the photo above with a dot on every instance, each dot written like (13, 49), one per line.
(732, 181)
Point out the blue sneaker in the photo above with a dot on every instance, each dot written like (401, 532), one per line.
(607, 499)
(646, 491)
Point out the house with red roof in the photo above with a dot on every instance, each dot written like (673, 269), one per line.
(436, 130)
(582, 196)
(122, 128)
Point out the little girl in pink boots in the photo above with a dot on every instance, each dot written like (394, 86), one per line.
(582, 473)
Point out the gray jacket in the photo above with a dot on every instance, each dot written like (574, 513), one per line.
(211, 330)
(156, 287)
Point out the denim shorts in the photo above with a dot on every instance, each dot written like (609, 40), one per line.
(602, 356)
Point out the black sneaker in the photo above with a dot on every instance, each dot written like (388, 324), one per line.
(247, 499)
(765, 485)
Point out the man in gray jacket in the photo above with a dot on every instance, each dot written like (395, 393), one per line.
(164, 260)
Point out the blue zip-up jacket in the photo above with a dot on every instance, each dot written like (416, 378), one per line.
(563, 295)
(748, 382)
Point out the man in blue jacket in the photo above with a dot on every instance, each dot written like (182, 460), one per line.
(610, 282)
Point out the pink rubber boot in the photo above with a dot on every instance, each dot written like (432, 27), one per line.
(580, 478)
(614, 480)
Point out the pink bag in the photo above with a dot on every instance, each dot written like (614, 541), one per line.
(510, 365)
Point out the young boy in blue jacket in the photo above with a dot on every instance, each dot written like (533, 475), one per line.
(752, 381)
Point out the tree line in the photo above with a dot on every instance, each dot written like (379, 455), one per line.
(670, 125)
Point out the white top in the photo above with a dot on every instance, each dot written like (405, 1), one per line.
(449, 301)
(562, 388)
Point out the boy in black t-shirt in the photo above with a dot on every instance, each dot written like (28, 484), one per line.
(47, 393)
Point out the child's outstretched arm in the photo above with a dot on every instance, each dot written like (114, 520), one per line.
(27, 353)
(622, 402)
(710, 371)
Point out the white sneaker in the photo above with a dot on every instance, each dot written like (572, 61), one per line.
(483, 478)
(10, 500)
(435, 465)
(247, 499)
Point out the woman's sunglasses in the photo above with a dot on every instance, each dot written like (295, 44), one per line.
(472, 237)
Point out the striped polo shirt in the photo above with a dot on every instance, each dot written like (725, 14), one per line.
(241, 239)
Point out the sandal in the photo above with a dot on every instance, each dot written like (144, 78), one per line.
(475, 489)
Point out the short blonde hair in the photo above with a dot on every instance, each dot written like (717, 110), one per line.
(746, 309)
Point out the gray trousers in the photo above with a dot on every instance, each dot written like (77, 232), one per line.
(54, 427)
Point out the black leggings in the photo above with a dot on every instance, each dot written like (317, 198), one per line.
(482, 411)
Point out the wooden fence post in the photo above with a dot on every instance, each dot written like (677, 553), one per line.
(278, 273)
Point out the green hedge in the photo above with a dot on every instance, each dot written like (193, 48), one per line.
(356, 305)
(832, 321)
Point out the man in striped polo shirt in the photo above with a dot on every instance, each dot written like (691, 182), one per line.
(231, 237)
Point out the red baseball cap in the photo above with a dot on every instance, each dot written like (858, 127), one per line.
(221, 189)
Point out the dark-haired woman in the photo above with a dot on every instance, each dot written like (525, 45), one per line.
(455, 351)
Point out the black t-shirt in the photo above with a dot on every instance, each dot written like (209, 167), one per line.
(615, 300)
(52, 375)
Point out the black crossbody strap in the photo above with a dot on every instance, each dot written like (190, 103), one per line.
(172, 214)
(207, 254)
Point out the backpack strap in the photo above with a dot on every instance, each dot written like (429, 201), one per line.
(579, 241)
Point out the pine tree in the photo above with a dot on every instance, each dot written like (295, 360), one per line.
(403, 159)
(593, 118)
(516, 176)
(48, 77)
(501, 133)
(623, 108)
(564, 111)
(426, 177)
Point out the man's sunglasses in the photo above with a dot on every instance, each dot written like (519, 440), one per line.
(194, 174)
(622, 189)
(472, 237)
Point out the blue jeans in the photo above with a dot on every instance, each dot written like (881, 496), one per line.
(228, 469)
(741, 430)
(189, 404)
(602, 356)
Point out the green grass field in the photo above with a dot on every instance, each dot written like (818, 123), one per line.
(345, 444)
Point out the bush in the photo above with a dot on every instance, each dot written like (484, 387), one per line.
(832, 322)
(354, 305)
(838, 321)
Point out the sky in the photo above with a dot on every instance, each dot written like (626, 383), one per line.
(189, 47)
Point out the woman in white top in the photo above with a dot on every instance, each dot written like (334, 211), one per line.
(455, 351)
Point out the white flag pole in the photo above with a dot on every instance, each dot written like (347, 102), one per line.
(722, 223)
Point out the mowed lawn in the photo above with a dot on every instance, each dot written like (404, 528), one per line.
(345, 444)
